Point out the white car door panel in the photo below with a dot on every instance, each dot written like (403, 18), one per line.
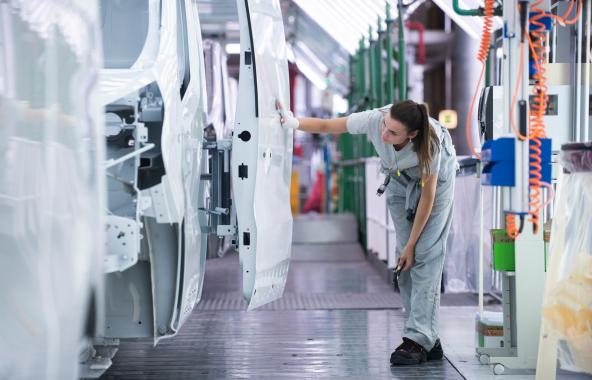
(262, 153)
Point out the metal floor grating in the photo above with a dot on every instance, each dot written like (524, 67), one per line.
(303, 301)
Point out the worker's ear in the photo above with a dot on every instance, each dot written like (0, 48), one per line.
(413, 134)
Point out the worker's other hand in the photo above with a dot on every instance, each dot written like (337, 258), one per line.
(287, 119)
(407, 257)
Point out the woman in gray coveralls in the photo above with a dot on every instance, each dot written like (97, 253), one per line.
(418, 157)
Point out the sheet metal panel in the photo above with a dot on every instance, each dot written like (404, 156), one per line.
(262, 165)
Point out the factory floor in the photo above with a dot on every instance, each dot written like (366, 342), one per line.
(338, 319)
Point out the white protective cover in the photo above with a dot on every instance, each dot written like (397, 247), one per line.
(263, 198)
(567, 305)
(51, 192)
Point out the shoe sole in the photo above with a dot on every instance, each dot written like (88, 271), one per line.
(398, 360)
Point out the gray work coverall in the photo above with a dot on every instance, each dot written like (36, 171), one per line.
(419, 286)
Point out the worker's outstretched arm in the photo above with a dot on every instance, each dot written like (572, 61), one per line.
(314, 125)
(310, 124)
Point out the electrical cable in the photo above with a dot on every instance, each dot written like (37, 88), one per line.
(562, 19)
(538, 109)
(550, 195)
(482, 54)
(515, 95)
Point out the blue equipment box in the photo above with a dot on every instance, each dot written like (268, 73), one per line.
(498, 160)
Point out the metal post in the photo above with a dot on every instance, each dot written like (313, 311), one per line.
(390, 80)
(362, 71)
(402, 74)
(371, 68)
(586, 121)
(379, 74)
(353, 85)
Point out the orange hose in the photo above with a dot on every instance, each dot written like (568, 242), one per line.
(571, 4)
(537, 114)
(482, 57)
(511, 228)
(536, 130)
(563, 19)
(576, 17)
(515, 95)
(468, 121)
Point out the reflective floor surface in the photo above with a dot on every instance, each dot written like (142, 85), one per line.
(338, 319)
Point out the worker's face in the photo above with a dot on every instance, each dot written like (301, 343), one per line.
(394, 132)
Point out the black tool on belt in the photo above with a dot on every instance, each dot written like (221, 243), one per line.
(382, 188)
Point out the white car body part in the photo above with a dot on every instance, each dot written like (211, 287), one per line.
(154, 84)
(262, 154)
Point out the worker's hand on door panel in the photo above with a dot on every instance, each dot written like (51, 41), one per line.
(287, 119)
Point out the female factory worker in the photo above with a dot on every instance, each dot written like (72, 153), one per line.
(417, 155)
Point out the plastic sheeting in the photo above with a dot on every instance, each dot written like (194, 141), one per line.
(461, 266)
(567, 306)
(51, 198)
(263, 205)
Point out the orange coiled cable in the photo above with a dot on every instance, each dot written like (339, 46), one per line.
(538, 110)
(482, 57)
(563, 19)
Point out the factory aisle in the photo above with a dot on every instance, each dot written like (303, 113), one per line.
(338, 319)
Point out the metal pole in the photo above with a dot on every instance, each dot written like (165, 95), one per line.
(586, 122)
(402, 74)
(379, 76)
(351, 96)
(362, 71)
(390, 80)
(579, 130)
(371, 68)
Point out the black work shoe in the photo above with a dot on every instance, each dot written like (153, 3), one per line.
(436, 353)
(408, 353)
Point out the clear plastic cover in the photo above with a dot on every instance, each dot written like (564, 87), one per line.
(461, 266)
(577, 157)
(567, 306)
(51, 196)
